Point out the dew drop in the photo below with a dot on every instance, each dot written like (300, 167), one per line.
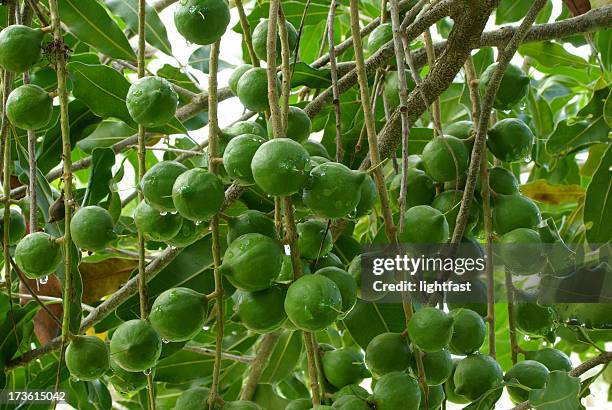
(165, 341)
(43, 280)
(147, 372)
(163, 213)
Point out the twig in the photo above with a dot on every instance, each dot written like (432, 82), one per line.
(382, 56)
(603, 358)
(285, 68)
(246, 33)
(334, 78)
(472, 83)
(264, 350)
(143, 293)
(370, 122)
(60, 67)
(348, 43)
(435, 107)
(503, 61)
(313, 372)
(400, 48)
(213, 144)
(224, 355)
(51, 299)
(26, 16)
(514, 347)
(33, 294)
(5, 152)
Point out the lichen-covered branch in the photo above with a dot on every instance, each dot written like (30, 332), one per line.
(503, 61)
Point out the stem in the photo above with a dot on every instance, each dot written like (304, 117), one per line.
(503, 61)
(472, 82)
(313, 373)
(213, 352)
(246, 32)
(370, 122)
(275, 114)
(334, 78)
(33, 216)
(33, 294)
(285, 68)
(435, 107)
(264, 350)
(277, 127)
(511, 322)
(142, 166)
(213, 142)
(60, 67)
(403, 97)
(7, 84)
(142, 151)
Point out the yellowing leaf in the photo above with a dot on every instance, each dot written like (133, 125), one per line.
(543, 191)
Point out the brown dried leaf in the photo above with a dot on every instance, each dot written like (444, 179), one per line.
(104, 277)
(578, 7)
(45, 327)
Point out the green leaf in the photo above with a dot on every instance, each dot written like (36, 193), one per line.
(80, 118)
(155, 31)
(88, 21)
(303, 74)
(509, 11)
(452, 109)
(200, 57)
(368, 320)
(284, 358)
(419, 137)
(98, 187)
(267, 398)
(589, 127)
(560, 393)
(106, 134)
(551, 54)
(487, 400)
(541, 114)
(608, 110)
(598, 202)
(596, 152)
(483, 59)
(12, 329)
(184, 366)
(604, 45)
(178, 77)
(191, 268)
(102, 89)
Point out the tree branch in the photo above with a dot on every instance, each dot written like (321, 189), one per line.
(469, 23)
(264, 350)
(503, 61)
(442, 9)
